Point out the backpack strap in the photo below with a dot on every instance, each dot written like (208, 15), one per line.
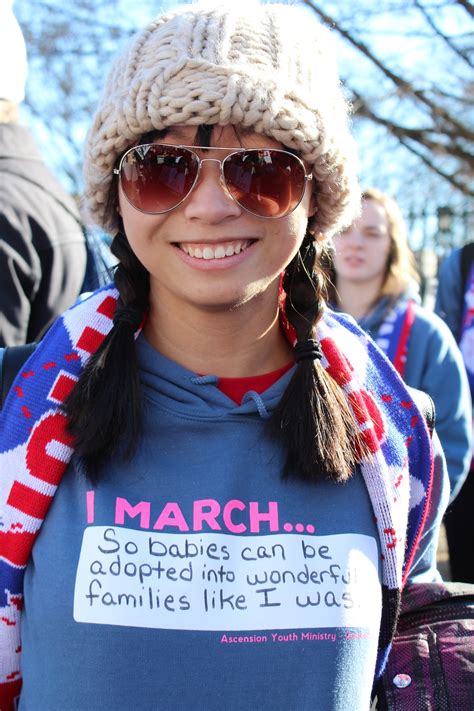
(12, 359)
(425, 404)
(467, 258)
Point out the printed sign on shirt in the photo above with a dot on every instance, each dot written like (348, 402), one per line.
(214, 581)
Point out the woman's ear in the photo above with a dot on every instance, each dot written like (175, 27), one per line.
(312, 211)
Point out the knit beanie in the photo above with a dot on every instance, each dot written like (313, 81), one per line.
(13, 65)
(266, 67)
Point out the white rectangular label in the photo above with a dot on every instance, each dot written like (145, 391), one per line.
(213, 581)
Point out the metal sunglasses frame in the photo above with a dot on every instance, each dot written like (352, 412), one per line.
(192, 150)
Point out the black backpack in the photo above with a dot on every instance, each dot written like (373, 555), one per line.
(431, 664)
(467, 258)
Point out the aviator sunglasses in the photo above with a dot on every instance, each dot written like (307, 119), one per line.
(267, 182)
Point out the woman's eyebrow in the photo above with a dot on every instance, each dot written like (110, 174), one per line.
(178, 132)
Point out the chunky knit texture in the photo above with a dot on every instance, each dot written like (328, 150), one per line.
(268, 68)
(36, 448)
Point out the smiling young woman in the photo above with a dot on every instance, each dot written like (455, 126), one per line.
(206, 449)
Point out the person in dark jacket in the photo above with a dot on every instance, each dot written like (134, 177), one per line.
(455, 305)
(42, 246)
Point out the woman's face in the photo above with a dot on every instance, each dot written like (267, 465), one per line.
(362, 251)
(172, 246)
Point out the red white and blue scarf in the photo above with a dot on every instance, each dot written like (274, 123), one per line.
(394, 334)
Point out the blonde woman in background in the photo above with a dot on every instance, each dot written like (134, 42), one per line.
(376, 282)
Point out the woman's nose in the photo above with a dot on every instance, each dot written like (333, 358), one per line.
(353, 236)
(209, 200)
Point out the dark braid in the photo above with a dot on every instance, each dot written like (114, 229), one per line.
(104, 409)
(313, 418)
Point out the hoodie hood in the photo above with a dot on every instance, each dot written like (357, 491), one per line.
(176, 389)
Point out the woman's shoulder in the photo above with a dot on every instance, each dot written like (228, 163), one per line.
(427, 323)
(451, 264)
(432, 341)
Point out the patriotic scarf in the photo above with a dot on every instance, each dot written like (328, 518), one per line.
(35, 449)
(394, 334)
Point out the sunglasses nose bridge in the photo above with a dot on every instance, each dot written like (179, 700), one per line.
(201, 161)
(222, 180)
(210, 160)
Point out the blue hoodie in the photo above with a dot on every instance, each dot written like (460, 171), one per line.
(434, 365)
(198, 577)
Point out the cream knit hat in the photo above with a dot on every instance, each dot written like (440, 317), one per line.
(268, 67)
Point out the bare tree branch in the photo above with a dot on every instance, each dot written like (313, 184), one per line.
(419, 135)
(433, 123)
(464, 188)
(442, 35)
(467, 101)
(467, 6)
(437, 112)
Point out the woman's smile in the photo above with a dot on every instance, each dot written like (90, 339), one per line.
(209, 250)
(215, 255)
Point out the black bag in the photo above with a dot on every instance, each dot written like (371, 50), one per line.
(431, 664)
(11, 362)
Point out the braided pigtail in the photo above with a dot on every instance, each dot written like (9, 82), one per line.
(313, 418)
(104, 409)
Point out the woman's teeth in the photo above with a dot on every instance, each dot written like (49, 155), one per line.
(219, 251)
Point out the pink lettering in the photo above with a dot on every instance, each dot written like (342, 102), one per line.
(227, 516)
(256, 516)
(171, 516)
(90, 495)
(207, 514)
(142, 509)
(206, 511)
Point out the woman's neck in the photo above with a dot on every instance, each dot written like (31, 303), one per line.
(357, 298)
(240, 342)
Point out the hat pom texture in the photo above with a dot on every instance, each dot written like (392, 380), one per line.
(269, 68)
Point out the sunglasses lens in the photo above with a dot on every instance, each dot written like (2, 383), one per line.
(156, 178)
(268, 183)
